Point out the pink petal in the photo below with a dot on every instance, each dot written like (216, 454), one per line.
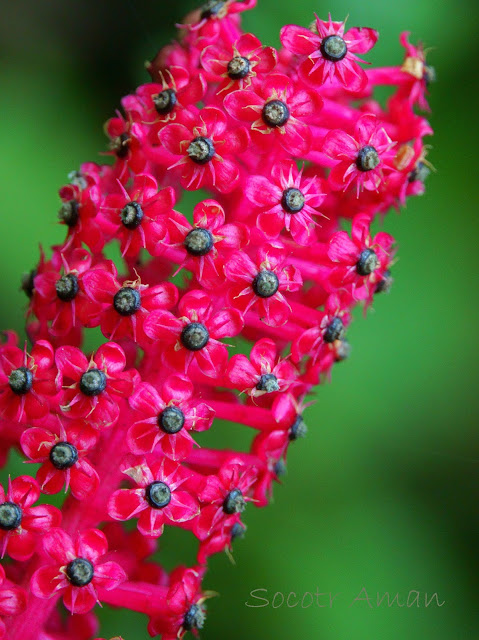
(84, 480)
(177, 388)
(226, 323)
(162, 325)
(146, 399)
(109, 575)
(263, 355)
(242, 373)
(25, 491)
(59, 546)
(214, 120)
(126, 503)
(36, 443)
(261, 192)
(338, 144)
(298, 39)
(71, 362)
(365, 129)
(100, 285)
(182, 507)
(111, 357)
(41, 518)
(80, 600)
(46, 581)
(364, 39)
(172, 137)
(239, 104)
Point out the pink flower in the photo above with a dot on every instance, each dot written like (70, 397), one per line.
(287, 201)
(157, 499)
(215, 20)
(126, 305)
(20, 522)
(127, 140)
(261, 283)
(137, 215)
(62, 458)
(277, 109)
(62, 297)
(184, 605)
(331, 327)
(167, 418)
(158, 103)
(328, 54)
(238, 65)
(78, 571)
(194, 336)
(208, 242)
(207, 148)
(360, 261)
(13, 601)
(364, 158)
(92, 389)
(263, 372)
(81, 200)
(421, 74)
(27, 382)
(224, 496)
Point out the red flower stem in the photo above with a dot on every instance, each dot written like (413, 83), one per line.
(138, 596)
(286, 332)
(255, 417)
(389, 76)
(214, 458)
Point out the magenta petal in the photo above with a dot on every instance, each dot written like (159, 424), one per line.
(365, 129)
(84, 480)
(46, 581)
(242, 373)
(226, 323)
(21, 546)
(151, 522)
(177, 388)
(298, 40)
(59, 546)
(25, 491)
(41, 518)
(146, 399)
(182, 507)
(172, 136)
(261, 192)
(338, 144)
(342, 249)
(80, 600)
(91, 544)
(126, 503)
(263, 355)
(111, 357)
(71, 362)
(36, 443)
(241, 105)
(362, 39)
(142, 437)
(109, 575)
(100, 285)
(162, 325)
(226, 175)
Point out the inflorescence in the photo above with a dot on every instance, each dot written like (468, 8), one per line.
(282, 148)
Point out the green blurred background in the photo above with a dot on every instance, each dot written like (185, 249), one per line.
(383, 493)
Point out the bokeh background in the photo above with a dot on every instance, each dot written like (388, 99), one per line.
(383, 494)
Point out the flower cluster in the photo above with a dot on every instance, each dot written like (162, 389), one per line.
(292, 160)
